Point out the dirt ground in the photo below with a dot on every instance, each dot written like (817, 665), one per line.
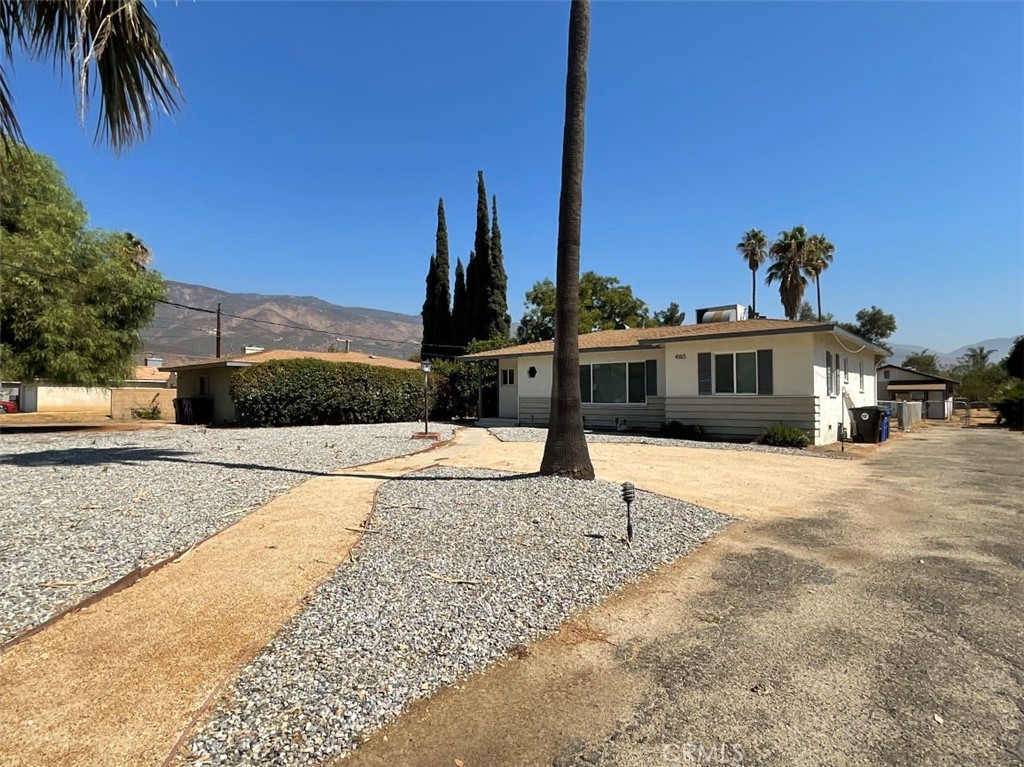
(867, 613)
(864, 612)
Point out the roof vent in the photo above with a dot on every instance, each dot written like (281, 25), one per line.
(727, 313)
(252, 349)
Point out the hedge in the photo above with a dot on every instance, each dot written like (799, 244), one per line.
(307, 392)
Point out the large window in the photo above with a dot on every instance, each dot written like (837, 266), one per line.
(736, 373)
(618, 382)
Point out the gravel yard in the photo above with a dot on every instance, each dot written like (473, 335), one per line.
(77, 512)
(462, 566)
(533, 434)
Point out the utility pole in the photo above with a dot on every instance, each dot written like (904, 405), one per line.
(218, 329)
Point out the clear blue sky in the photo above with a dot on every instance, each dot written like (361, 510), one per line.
(318, 136)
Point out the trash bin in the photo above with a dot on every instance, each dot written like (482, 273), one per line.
(886, 420)
(193, 410)
(867, 423)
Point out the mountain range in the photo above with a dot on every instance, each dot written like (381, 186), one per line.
(304, 322)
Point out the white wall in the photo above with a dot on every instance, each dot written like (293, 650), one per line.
(45, 398)
(540, 385)
(791, 362)
(833, 408)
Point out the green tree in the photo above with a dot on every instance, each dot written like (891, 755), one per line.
(478, 276)
(754, 250)
(73, 299)
(460, 308)
(496, 321)
(603, 303)
(817, 258)
(979, 378)
(807, 314)
(670, 315)
(437, 310)
(1013, 362)
(923, 362)
(565, 450)
(788, 252)
(873, 325)
(112, 51)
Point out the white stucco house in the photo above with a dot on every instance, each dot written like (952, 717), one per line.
(733, 378)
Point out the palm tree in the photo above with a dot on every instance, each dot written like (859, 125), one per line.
(565, 451)
(818, 256)
(754, 249)
(111, 48)
(789, 252)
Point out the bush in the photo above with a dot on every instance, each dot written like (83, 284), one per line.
(456, 389)
(150, 412)
(306, 392)
(783, 436)
(1009, 403)
(677, 430)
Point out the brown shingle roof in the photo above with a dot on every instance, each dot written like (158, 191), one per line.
(147, 373)
(244, 360)
(637, 337)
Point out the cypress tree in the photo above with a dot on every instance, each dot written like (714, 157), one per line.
(460, 327)
(497, 322)
(469, 325)
(442, 289)
(429, 313)
(478, 279)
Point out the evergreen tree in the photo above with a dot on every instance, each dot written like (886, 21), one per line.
(443, 295)
(469, 322)
(478, 279)
(496, 322)
(429, 313)
(460, 319)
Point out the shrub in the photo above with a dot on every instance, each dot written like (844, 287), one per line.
(677, 430)
(456, 389)
(1009, 403)
(150, 412)
(783, 436)
(307, 392)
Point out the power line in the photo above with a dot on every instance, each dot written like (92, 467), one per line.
(334, 333)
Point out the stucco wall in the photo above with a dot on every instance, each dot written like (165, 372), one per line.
(218, 388)
(46, 398)
(833, 407)
(123, 400)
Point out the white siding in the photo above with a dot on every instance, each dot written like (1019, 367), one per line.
(833, 407)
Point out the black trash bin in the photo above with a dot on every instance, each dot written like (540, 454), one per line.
(867, 423)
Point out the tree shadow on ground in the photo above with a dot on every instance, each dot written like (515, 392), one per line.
(99, 456)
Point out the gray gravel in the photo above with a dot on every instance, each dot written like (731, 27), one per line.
(534, 434)
(87, 509)
(464, 565)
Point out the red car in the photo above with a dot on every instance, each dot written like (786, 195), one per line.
(6, 406)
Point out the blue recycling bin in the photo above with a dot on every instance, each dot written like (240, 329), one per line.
(886, 417)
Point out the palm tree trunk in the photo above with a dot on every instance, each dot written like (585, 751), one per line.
(817, 284)
(753, 292)
(565, 451)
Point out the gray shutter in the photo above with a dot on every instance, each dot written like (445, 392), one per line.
(704, 373)
(764, 371)
(828, 373)
(652, 378)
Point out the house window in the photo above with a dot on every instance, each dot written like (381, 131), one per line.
(508, 377)
(846, 370)
(885, 374)
(835, 386)
(828, 374)
(736, 373)
(861, 366)
(615, 383)
(202, 386)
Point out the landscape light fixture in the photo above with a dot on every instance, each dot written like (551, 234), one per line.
(629, 495)
(425, 367)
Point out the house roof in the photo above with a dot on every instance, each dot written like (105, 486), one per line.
(919, 386)
(635, 338)
(917, 372)
(246, 360)
(148, 373)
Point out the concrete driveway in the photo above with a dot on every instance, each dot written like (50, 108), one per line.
(880, 623)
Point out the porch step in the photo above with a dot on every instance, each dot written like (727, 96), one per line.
(490, 423)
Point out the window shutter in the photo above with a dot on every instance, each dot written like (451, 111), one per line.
(652, 378)
(828, 373)
(704, 373)
(764, 372)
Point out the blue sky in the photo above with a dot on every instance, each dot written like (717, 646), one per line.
(318, 136)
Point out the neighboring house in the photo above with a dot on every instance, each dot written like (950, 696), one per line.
(44, 397)
(150, 376)
(901, 384)
(733, 378)
(211, 379)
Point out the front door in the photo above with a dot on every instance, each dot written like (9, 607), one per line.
(508, 390)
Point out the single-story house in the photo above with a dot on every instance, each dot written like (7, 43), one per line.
(211, 379)
(900, 384)
(733, 377)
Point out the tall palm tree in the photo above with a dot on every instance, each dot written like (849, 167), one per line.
(754, 249)
(818, 256)
(789, 252)
(112, 50)
(565, 451)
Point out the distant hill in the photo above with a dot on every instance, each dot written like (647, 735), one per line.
(948, 359)
(179, 335)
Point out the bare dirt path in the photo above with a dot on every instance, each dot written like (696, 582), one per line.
(868, 613)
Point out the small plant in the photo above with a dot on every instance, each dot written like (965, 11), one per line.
(150, 412)
(677, 430)
(783, 436)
